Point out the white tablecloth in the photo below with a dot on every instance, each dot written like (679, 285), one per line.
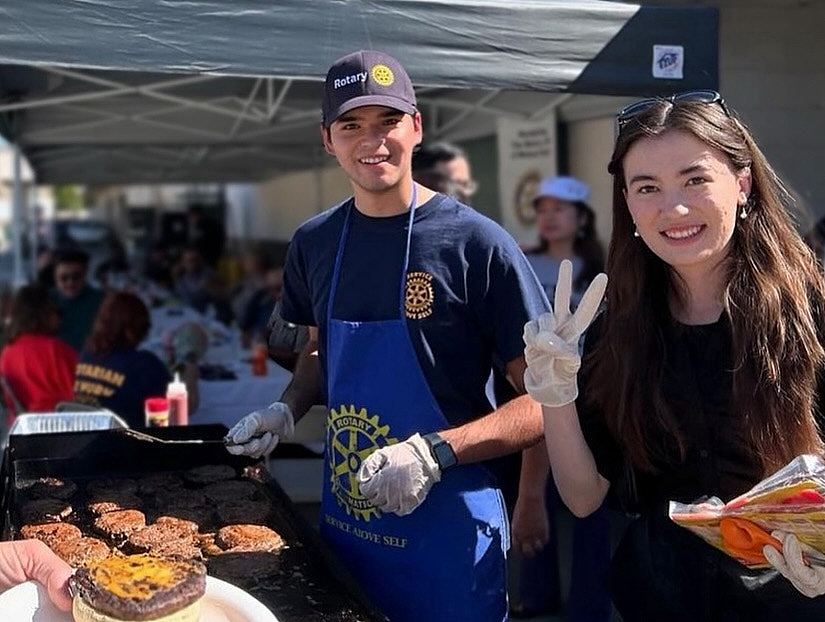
(226, 401)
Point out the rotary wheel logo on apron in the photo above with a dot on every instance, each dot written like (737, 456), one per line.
(351, 437)
(418, 297)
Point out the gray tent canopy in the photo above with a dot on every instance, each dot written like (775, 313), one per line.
(125, 91)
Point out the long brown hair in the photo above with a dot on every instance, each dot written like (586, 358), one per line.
(773, 300)
(121, 324)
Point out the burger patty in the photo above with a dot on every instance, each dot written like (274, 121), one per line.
(243, 511)
(169, 530)
(140, 587)
(120, 524)
(45, 511)
(52, 487)
(248, 538)
(231, 490)
(111, 503)
(209, 473)
(185, 548)
(100, 488)
(51, 532)
(81, 551)
(174, 522)
(199, 515)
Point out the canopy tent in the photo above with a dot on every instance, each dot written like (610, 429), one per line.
(126, 91)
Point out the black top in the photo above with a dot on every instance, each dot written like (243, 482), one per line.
(697, 386)
(681, 576)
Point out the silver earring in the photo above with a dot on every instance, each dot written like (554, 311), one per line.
(636, 232)
(743, 213)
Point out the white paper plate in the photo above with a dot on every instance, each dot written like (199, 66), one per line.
(223, 602)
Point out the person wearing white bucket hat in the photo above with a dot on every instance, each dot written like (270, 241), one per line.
(565, 223)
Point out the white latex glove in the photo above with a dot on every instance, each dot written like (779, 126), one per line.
(397, 478)
(552, 341)
(809, 580)
(259, 433)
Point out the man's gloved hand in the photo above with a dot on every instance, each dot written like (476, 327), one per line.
(397, 478)
(259, 433)
(809, 580)
(552, 341)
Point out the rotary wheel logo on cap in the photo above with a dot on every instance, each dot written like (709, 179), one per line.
(383, 75)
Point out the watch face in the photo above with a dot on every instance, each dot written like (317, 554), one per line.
(444, 454)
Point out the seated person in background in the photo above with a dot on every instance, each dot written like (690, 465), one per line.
(77, 301)
(255, 266)
(253, 321)
(158, 267)
(196, 284)
(113, 373)
(36, 364)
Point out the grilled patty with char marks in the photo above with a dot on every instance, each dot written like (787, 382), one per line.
(120, 524)
(140, 587)
(80, 552)
(50, 532)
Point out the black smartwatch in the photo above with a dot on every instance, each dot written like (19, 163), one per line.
(441, 450)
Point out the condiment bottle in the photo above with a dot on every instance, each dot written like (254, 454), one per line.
(178, 402)
(157, 412)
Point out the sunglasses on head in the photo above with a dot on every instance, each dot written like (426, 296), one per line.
(636, 108)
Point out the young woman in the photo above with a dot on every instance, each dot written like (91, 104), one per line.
(567, 230)
(37, 366)
(113, 373)
(700, 378)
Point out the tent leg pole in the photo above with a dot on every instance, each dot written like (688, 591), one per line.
(18, 276)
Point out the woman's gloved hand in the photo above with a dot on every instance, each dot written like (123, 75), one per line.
(259, 432)
(552, 341)
(398, 477)
(809, 580)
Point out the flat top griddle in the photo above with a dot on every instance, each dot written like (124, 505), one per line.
(301, 583)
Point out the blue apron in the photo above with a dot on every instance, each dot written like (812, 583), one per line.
(446, 560)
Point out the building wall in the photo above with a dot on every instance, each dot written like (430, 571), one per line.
(771, 72)
(288, 200)
(589, 145)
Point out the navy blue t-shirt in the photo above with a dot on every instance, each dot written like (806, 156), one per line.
(121, 381)
(483, 291)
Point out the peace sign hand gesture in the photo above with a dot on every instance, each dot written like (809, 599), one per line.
(552, 341)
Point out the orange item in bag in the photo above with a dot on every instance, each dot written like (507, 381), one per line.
(744, 540)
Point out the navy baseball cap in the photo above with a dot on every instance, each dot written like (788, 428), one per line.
(366, 78)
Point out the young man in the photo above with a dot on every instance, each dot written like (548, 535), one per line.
(408, 295)
(76, 300)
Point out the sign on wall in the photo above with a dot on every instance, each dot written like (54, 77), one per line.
(527, 154)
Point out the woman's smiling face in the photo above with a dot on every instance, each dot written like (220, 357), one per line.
(684, 197)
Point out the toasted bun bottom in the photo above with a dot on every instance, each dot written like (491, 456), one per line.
(82, 612)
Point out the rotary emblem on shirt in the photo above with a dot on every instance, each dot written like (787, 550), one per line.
(352, 435)
(418, 295)
(383, 75)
